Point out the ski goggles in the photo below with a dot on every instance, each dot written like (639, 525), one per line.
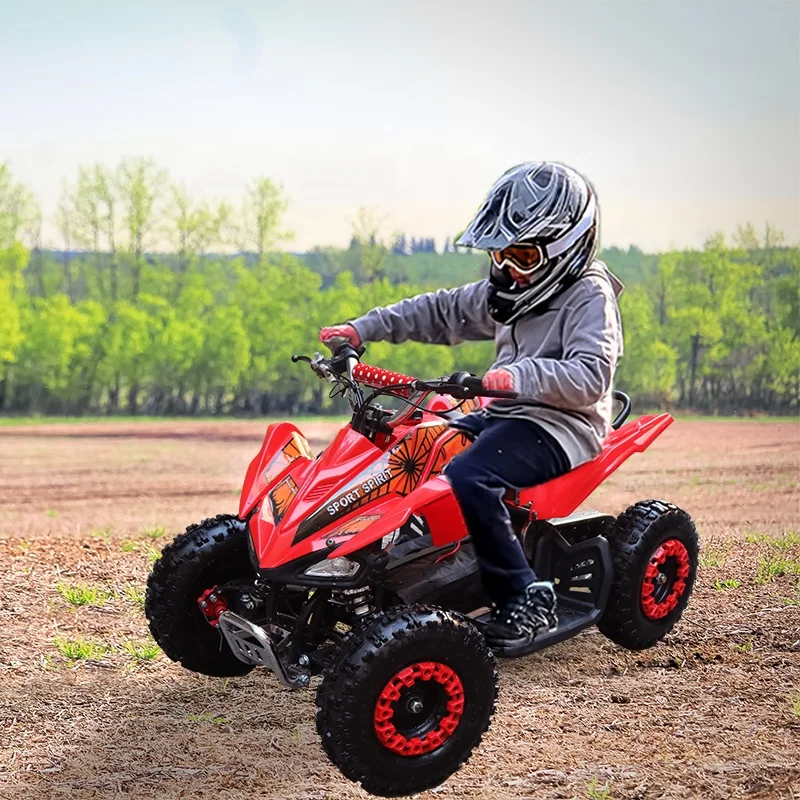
(526, 259)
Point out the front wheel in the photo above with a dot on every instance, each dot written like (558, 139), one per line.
(196, 561)
(406, 700)
(655, 547)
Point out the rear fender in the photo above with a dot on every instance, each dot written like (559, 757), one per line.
(561, 496)
(283, 444)
(433, 500)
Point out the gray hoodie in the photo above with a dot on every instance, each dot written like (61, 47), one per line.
(563, 358)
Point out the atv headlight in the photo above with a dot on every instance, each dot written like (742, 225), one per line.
(341, 567)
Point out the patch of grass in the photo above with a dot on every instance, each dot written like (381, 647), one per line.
(156, 532)
(141, 651)
(80, 649)
(787, 541)
(794, 704)
(710, 558)
(51, 513)
(791, 601)
(771, 568)
(103, 533)
(83, 595)
(208, 719)
(596, 792)
(756, 538)
(727, 583)
(129, 546)
(745, 647)
(136, 596)
(152, 553)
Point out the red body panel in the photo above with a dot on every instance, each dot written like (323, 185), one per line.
(283, 443)
(357, 491)
(561, 496)
(434, 500)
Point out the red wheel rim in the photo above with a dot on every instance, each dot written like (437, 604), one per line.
(419, 708)
(665, 579)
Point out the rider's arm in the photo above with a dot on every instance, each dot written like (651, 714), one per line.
(591, 348)
(448, 316)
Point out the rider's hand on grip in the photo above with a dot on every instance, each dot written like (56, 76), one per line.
(498, 380)
(328, 336)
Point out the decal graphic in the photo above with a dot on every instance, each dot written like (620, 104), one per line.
(464, 406)
(296, 447)
(354, 526)
(398, 471)
(449, 448)
(281, 496)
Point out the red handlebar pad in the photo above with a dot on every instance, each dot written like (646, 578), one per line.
(377, 378)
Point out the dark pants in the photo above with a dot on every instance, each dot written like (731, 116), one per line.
(507, 454)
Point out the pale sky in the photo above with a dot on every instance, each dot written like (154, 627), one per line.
(684, 114)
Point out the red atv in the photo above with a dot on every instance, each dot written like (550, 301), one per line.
(356, 566)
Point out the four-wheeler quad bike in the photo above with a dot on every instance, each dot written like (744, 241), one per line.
(356, 566)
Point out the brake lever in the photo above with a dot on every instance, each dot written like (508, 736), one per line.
(318, 367)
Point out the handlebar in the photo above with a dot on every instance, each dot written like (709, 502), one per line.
(474, 385)
(462, 385)
(377, 378)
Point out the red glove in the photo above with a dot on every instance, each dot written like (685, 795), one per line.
(344, 331)
(498, 380)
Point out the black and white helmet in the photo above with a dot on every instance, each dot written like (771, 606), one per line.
(543, 204)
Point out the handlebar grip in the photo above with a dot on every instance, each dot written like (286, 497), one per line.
(474, 384)
(335, 342)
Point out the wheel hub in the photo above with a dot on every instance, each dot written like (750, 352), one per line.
(664, 581)
(415, 705)
(419, 708)
(212, 604)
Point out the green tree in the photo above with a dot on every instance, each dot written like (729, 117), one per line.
(259, 227)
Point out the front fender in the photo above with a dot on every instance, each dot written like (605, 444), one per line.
(283, 444)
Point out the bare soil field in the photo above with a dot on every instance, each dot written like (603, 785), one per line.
(712, 712)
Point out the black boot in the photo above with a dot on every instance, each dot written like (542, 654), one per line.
(515, 625)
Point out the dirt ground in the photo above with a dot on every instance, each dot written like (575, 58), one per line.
(712, 712)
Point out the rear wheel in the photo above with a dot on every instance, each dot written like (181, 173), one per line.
(655, 550)
(190, 567)
(406, 699)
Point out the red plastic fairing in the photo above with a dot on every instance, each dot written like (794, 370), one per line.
(347, 456)
(561, 496)
(446, 402)
(378, 378)
(283, 444)
(433, 500)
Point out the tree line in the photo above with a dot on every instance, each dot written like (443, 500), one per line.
(156, 303)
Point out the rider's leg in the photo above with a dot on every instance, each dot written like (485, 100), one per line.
(508, 454)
